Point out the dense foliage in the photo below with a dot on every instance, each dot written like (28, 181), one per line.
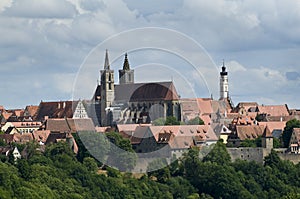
(58, 173)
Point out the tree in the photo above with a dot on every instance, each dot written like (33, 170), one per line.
(272, 160)
(218, 154)
(288, 130)
(159, 122)
(121, 154)
(158, 168)
(59, 148)
(90, 164)
(171, 120)
(196, 121)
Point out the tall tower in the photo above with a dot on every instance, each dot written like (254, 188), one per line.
(223, 83)
(107, 90)
(126, 76)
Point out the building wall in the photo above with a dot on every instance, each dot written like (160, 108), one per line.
(294, 158)
(248, 153)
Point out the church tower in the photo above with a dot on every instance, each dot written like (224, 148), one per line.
(224, 83)
(107, 90)
(126, 76)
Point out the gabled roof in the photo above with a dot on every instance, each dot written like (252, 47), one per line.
(41, 135)
(59, 109)
(247, 106)
(69, 125)
(273, 125)
(267, 133)
(17, 137)
(249, 132)
(31, 110)
(274, 110)
(296, 132)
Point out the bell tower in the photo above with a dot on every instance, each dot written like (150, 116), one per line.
(107, 89)
(224, 83)
(126, 76)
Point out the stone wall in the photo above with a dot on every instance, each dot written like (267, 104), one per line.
(248, 153)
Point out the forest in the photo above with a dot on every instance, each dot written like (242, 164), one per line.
(59, 173)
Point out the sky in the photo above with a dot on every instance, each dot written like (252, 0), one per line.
(50, 50)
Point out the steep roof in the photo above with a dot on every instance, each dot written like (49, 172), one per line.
(296, 132)
(273, 110)
(273, 125)
(58, 109)
(69, 125)
(249, 132)
(267, 133)
(134, 92)
(41, 135)
(31, 110)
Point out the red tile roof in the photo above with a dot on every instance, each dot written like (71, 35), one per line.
(31, 110)
(60, 109)
(274, 110)
(69, 125)
(249, 132)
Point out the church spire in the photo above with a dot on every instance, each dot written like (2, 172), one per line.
(126, 65)
(106, 62)
(223, 72)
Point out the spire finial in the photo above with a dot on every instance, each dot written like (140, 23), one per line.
(126, 65)
(106, 62)
(223, 67)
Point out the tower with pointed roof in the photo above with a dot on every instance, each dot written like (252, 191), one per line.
(126, 76)
(267, 138)
(107, 89)
(224, 83)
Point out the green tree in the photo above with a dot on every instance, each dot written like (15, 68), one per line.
(120, 154)
(272, 159)
(288, 130)
(59, 148)
(276, 143)
(171, 120)
(159, 122)
(218, 154)
(159, 169)
(90, 164)
(196, 121)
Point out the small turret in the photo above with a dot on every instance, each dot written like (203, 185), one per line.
(126, 76)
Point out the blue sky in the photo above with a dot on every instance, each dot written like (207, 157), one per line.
(44, 43)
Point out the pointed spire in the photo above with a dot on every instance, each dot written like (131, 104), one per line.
(106, 62)
(126, 63)
(267, 133)
(223, 72)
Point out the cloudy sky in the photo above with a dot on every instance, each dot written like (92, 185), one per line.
(45, 45)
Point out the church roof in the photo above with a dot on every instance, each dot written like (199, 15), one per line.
(135, 92)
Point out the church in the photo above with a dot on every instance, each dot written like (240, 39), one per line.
(129, 102)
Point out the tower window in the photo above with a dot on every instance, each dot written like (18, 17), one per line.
(109, 86)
